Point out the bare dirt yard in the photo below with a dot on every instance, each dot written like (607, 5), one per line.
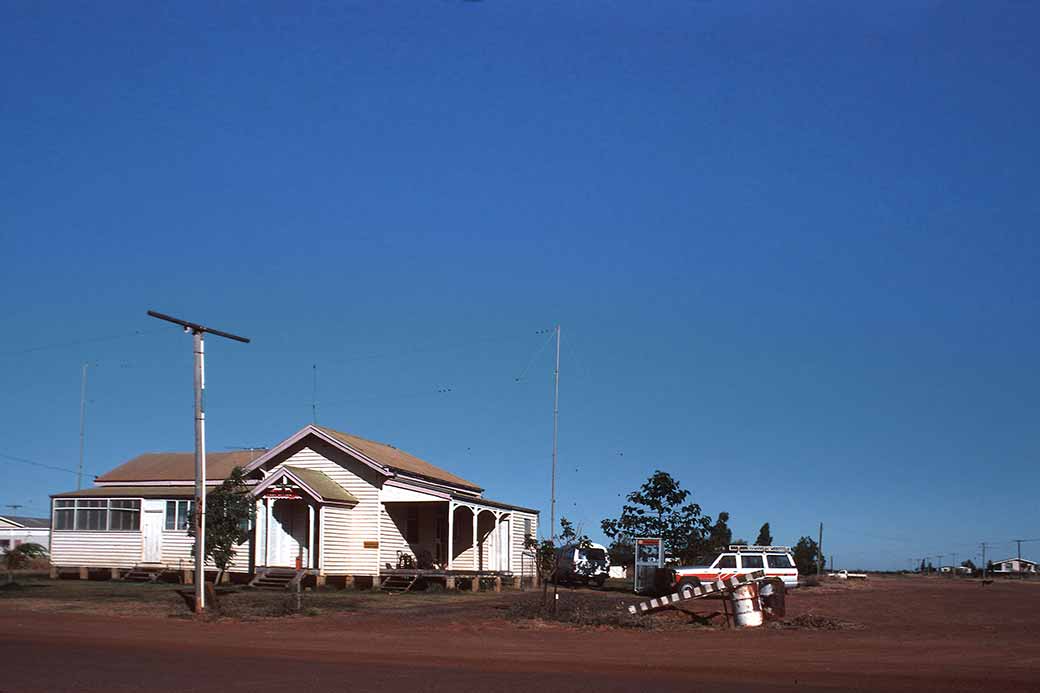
(908, 633)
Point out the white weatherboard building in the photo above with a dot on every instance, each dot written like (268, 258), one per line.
(328, 503)
(1016, 566)
(15, 530)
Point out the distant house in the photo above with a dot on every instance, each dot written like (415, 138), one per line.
(1015, 566)
(15, 530)
(328, 503)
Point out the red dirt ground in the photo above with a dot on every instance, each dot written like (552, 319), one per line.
(917, 634)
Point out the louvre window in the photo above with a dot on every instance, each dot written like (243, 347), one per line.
(103, 515)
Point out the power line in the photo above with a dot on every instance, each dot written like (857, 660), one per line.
(34, 463)
(89, 340)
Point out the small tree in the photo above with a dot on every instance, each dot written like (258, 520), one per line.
(548, 556)
(765, 538)
(20, 556)
(230, 511)
(806, 555)
(720, 536)
(659, 509)
(622, 553)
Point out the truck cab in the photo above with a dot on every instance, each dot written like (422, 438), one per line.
(583, 565)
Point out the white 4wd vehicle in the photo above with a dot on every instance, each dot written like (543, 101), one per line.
(776, 561)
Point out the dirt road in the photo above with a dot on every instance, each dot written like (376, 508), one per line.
(916, 635)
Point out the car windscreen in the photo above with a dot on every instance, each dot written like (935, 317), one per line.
(593, 554)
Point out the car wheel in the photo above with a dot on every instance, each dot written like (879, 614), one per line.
(687, 585)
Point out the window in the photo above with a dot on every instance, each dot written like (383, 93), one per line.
(592, 555)
(412, 527)
(177, 514)
(527, 526)
(779, 560)
(92, 515)
(64, 514)
(750, 561)
(97, 515)
(124, 515)
(729, 561)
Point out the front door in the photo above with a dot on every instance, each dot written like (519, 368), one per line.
(151, 535)
(289, 533)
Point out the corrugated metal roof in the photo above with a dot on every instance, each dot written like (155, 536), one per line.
(179, 466)
(322, 484)
(493, 504)
(399, 460)
(28, 522)
(131, 492)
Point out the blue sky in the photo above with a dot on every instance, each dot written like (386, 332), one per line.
(792, 247)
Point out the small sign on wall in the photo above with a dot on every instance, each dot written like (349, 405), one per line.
(371, 544)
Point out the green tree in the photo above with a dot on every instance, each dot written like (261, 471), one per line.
(567, 531)
(765, 538)
(20, 556)
(720, 536)
(622, 552)
(806, 554)
(230, 511)
(659, 509)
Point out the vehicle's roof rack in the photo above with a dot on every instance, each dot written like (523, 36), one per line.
(772, 549)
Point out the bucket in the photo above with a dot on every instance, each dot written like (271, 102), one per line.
(771, 596)
(747, 611)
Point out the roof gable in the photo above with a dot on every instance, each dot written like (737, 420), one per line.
(399, 460)
(315, 483)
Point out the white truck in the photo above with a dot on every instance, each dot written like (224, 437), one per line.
(776, 561)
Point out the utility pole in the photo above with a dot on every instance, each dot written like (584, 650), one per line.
(82, 425)
(1019, 542)
(556, 435)
(197, 331)
(10, 544)
(314, 396)
(819, 552)
(940, 562)
(983, 560)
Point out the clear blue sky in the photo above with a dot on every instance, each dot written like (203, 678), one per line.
(793, 247)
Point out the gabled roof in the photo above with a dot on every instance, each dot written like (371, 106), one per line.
(27, 522)
(398, 460)
(178, 466)
(318, 484)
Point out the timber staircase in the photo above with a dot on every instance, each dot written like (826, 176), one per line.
(141, 573)
(277, 579)
(398, 583)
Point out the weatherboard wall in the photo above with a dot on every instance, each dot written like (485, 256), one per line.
(346, 530)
